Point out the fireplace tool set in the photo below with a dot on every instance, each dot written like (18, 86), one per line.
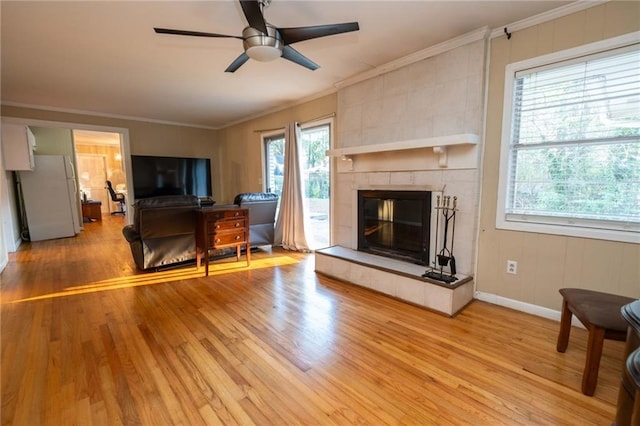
(445, 206)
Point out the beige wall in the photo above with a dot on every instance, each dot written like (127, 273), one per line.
(241, 145)
(548, 262)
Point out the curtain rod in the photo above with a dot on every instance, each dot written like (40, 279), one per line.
(333, 114)
(268, 130)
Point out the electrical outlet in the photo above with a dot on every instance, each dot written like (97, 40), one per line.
(512, 267)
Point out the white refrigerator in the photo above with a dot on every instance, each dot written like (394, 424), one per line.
(50, 197)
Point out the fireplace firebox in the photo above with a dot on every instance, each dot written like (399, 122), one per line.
(395, 224)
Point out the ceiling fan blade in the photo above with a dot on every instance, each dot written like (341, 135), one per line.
(294, 56)
(294, 35)
(192, 33)
(237, 63)
(252, 12)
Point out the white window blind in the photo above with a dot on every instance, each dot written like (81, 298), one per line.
(574, 151)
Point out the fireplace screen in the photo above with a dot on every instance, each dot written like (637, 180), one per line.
(395, 224)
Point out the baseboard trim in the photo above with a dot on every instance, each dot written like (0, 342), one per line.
(524, 307)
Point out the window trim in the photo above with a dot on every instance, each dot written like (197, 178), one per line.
(629, 232)
(264, 136)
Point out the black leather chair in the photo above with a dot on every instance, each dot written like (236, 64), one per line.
(262, 216)
(116, 197)
(163, 231)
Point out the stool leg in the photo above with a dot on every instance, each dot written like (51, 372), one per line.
(592, 364)
(565, 328)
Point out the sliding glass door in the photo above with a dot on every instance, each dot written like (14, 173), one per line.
(315, 168)
(314, 164)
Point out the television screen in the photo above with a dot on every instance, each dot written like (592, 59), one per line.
(153, 176)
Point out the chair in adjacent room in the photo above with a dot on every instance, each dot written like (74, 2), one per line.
(116, 197)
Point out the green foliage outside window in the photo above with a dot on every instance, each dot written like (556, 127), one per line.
(576, 141)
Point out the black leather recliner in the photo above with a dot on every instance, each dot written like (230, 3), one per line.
(163, 230)
(262, 216)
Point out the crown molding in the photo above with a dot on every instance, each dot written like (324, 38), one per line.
(100, 114)
(549, 15)
(470, 37)
(437, 49)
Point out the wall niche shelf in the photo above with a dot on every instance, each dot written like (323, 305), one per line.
(438, 143)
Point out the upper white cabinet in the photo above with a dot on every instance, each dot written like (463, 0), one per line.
(18, 144)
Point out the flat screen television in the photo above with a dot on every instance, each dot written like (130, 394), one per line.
(154, 176)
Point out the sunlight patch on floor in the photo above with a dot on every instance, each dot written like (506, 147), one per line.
(165, 277)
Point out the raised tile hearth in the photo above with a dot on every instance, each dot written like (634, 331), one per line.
(395, 278)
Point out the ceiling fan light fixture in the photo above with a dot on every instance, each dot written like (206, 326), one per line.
(262, 47)
(264, 53)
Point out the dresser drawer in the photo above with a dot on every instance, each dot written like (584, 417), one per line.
(212, 214)
(222, 239)
(226, 224)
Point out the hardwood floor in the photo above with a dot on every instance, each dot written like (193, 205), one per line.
(87, 339)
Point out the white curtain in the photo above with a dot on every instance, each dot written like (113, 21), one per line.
(290, 227)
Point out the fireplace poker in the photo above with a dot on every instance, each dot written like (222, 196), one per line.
(435, 257)
(452, 262)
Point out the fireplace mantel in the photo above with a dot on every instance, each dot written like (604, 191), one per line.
(438, 143)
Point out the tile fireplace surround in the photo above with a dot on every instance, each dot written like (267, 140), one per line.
(415, 126)
(395, 278)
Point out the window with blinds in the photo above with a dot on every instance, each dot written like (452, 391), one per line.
(572, 154)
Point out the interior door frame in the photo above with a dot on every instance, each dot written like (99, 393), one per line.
(263, 152)
(125, 147)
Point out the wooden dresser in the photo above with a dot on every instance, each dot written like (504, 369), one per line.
(92, 210)
(218, 228)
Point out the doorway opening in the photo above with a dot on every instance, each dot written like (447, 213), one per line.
(99, 157)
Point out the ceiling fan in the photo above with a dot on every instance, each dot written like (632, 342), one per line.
(264, 42)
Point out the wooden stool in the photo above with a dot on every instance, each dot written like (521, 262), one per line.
(600, 314)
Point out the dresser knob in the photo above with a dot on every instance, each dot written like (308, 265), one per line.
(237, 224)
(217, 240)
(237, 214)
(217, 226)
(237, 237)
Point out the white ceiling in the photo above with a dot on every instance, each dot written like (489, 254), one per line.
(103, 57)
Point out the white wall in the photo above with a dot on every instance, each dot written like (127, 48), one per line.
(6, 225)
